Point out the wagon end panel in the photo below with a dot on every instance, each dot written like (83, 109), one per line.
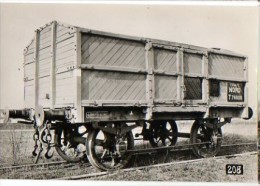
(113, 71)
(228, 83)
(49, 61)
(29, 73)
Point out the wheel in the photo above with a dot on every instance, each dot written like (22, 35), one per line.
(163, 133)
(68, 150)
(199, 134)
(107, 151)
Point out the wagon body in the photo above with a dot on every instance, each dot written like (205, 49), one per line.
(87, 70)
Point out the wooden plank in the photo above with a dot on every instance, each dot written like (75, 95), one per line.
(65, 48)
(45, 29)
(65, 55)
(59, 62)
(29, 58)
(36, 80)
(64, 37)
(68, 42)
(63, 32)
(45, 37)
(68, 49)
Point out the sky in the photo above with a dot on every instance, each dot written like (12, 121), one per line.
(229, 27)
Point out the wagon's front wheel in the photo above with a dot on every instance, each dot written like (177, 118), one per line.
(207, 141)
(70, 151)
(108, 151)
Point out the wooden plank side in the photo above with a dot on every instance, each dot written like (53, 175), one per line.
(44, 91)
(165, 60)
(29, 71)
(165, 87)
(226, 66)
(29, 58)
(98, 85)
(99, 50)
(192, 63)
(64, 93)
(29, 94)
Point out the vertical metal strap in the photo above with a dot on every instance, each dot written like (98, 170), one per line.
(205, 81)
(150, 86)
(245, 113)
(77, 76)
(53, 65)
(36, 60)
(180, 78)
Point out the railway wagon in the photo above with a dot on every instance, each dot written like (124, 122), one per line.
(92, 88)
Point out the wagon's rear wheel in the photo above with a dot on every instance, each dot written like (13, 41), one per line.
(108, 151)
(164, 133)
(66, 148)
(211, 140)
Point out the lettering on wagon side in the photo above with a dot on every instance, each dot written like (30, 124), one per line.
(235, 92)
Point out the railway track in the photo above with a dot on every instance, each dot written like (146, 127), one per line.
(180, 148)
(110, 173)
(84, 168)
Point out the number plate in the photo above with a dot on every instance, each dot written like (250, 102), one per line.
(234, 169)
(235, 92)
(96, 115)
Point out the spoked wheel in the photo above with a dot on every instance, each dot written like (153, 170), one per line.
(108, 151)
(163, 133)
(66, 148)
(211, 140)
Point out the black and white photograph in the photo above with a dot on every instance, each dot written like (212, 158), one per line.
(129, 92)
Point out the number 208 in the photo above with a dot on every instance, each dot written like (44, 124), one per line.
(234, 169)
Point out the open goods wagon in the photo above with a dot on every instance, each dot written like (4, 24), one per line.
(108, 84)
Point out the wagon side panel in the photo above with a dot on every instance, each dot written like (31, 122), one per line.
(113, 70)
